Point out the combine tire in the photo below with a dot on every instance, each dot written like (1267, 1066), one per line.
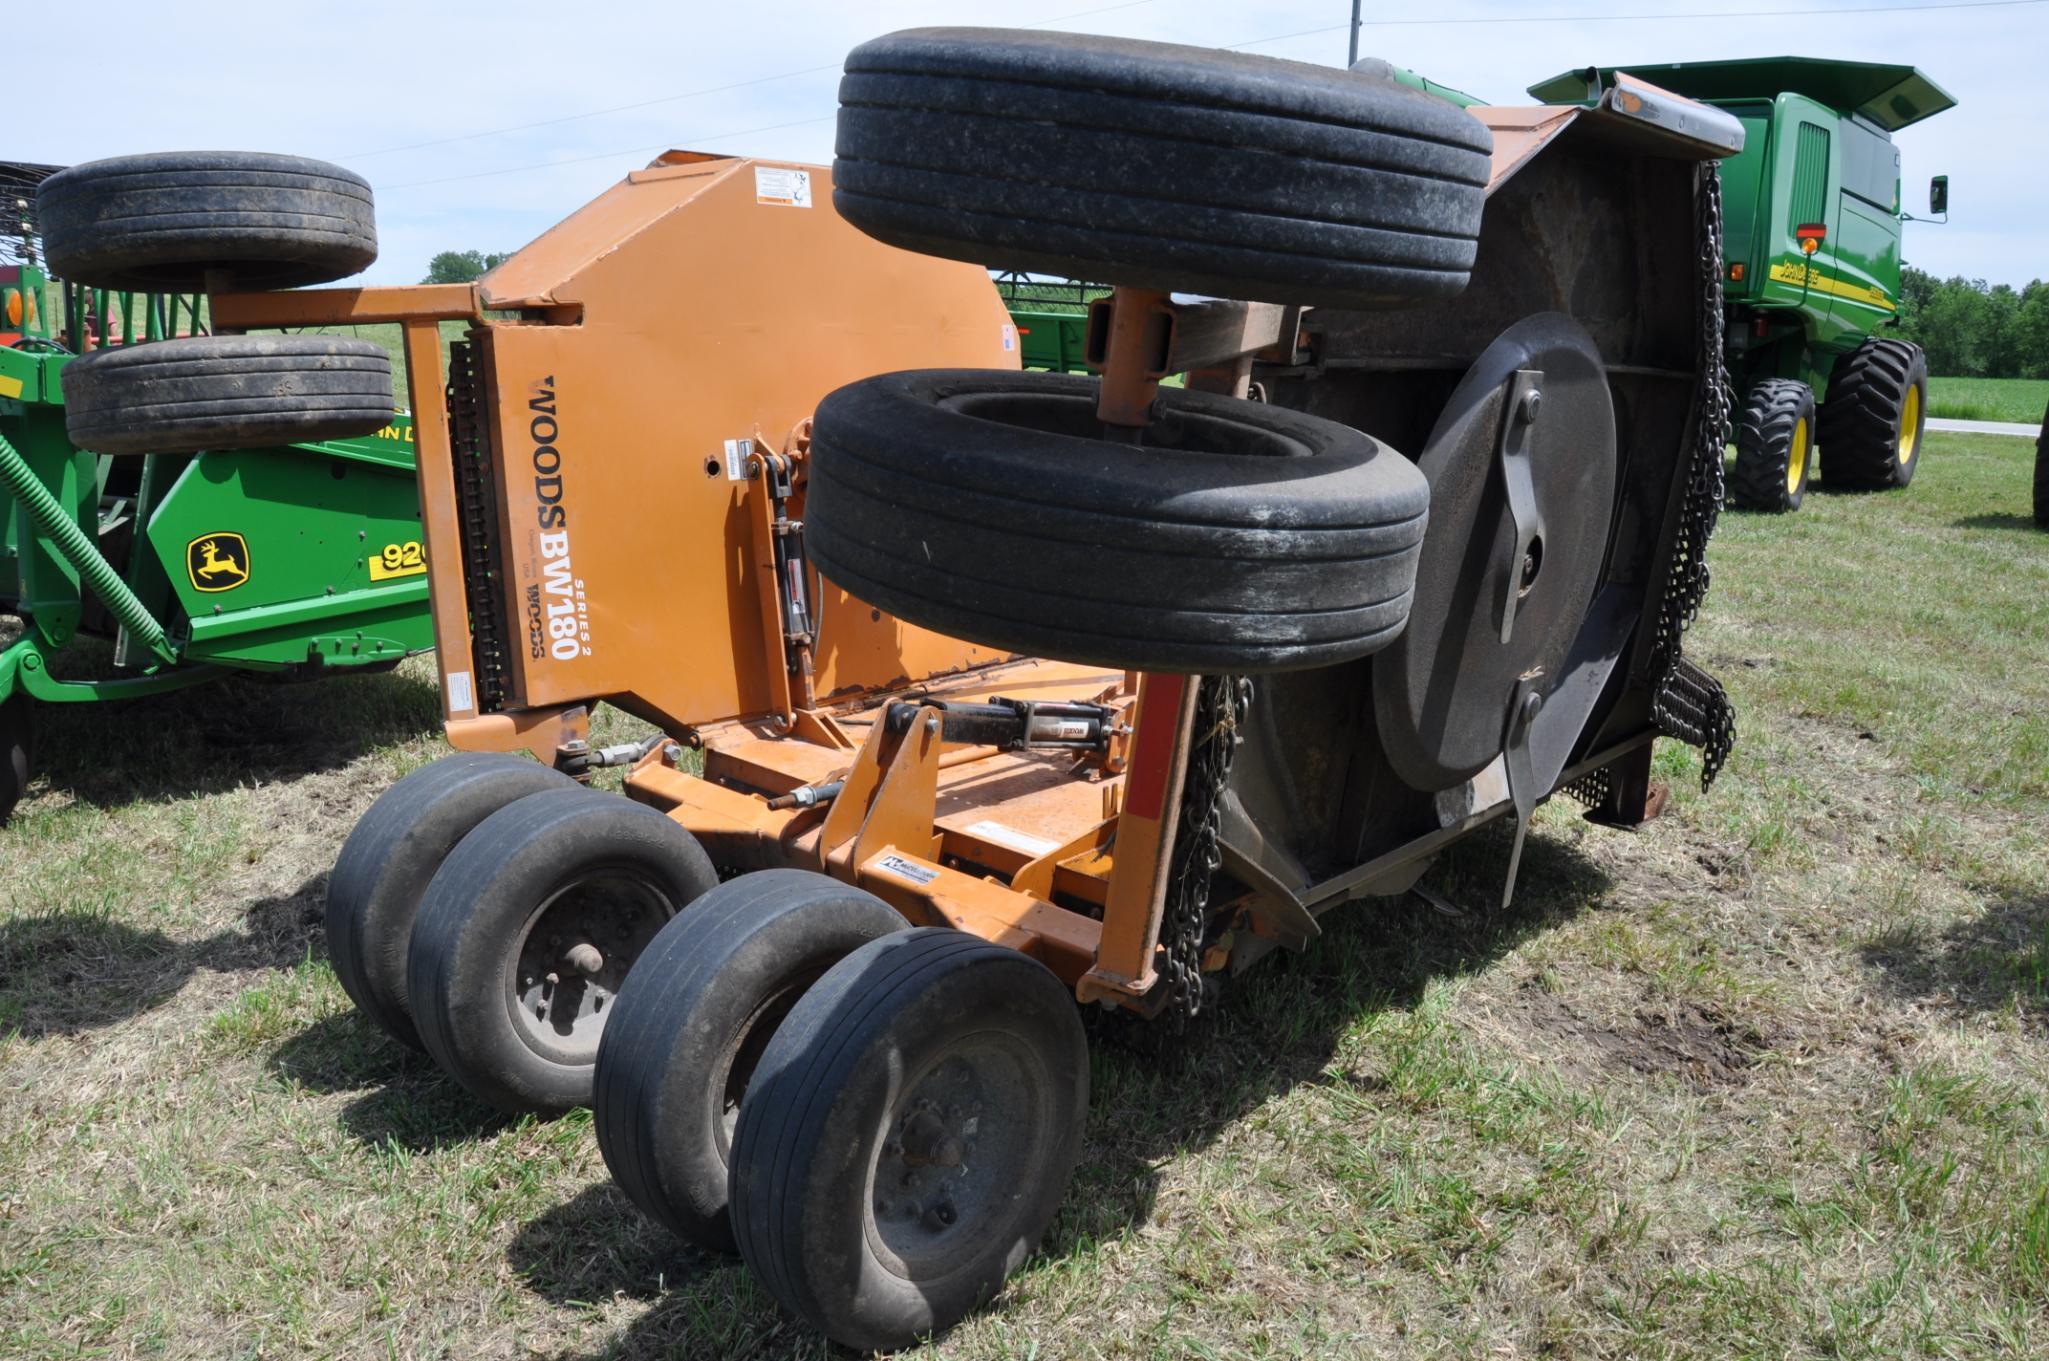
(527, 931)
(2042, 474)
(1872, 419)
(391, 856)
(1774, 447)
(14, 745)
(1159, 165)
(691, 1024)
(911, 1130)
(162, 223)
(226, 392)
(1237, 537)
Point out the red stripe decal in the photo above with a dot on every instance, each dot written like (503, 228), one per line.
(1152, 750)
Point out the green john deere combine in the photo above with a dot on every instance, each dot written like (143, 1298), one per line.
(1811, 239)
(294, 559)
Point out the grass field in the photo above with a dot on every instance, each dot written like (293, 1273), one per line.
(2020, 400)
(1766, 1079)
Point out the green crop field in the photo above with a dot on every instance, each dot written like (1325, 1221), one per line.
(2019, 400)
(1768, 1078)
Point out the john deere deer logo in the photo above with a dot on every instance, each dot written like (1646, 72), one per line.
(217, 562)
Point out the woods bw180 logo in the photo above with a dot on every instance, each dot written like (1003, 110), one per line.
(218, 562)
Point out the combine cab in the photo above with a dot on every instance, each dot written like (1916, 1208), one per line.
(1811, 230)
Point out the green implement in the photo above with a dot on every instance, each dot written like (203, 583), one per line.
(296, 559)
(1811, 244)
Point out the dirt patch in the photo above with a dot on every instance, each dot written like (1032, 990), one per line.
(1688, 1040)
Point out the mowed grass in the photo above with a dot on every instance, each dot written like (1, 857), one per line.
(1765, 1079)
(2020, 400)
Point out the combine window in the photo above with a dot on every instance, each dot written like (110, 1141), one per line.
(1871, 166)
(1810, 175)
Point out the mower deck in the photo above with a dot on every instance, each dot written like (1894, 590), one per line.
(1014, 845)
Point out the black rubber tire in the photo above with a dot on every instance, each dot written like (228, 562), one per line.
(1183, 168)
(1775, 429)
(2042, 474)
(807, 1155)
(700, 1006)
(1864, 446)
(226, 392)
(391, 856)
(14, 753)
(485, 902)
(160, 222)
(1239, 537)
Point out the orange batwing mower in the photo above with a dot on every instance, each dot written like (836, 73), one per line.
(983, 693)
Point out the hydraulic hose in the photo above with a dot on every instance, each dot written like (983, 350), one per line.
(76, 547)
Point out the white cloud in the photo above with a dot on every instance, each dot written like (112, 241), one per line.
(345, 80)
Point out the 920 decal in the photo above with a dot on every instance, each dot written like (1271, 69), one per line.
(408, 559)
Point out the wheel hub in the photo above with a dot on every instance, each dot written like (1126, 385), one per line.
(956, 1141)
(574, 956)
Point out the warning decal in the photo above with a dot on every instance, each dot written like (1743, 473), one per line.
(782, 187)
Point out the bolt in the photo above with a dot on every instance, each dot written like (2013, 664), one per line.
(931, 725)
(1532, 400)
(1533, 704)
(941, 1215)
(553, 979)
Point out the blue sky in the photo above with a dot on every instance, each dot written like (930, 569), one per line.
(368, 82)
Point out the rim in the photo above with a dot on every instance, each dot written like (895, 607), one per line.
(742, 1055)
(1910, 423)
(1796, 458)
(573, 954)
(957, 1143)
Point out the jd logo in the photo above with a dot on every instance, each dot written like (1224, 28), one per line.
(218, 562)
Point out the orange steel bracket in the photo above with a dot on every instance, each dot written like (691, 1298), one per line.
(434, 474)
(924, 891)
(544, 732)
(900, 815)
(427, 303)
(843, 820)
(1139, 329)
(761, 514)
(1144, 839)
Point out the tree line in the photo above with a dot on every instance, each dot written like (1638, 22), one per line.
(1974, 330)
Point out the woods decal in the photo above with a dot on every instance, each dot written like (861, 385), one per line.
(558, 617)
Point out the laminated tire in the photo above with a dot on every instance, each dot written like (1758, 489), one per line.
(1774, 446)
(1873, 417)
(226, 392)
(691, 1023)
(527, 931)
(1238, 537)
(163, 222)
(392, 855)
(1159, 165)
(910, 1133)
